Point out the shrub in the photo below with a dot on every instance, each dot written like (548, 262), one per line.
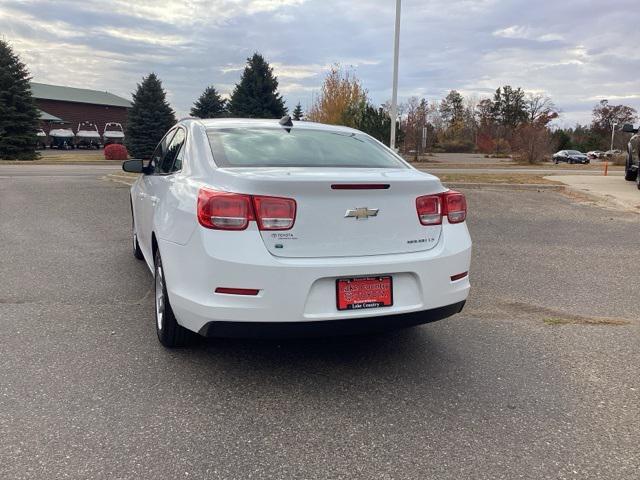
(485, 143)
(115, 151)
(457, 146)
(617, 159)
(502, 147)
(531, 143)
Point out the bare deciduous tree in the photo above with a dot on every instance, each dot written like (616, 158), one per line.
(413, 123)
(540, 109)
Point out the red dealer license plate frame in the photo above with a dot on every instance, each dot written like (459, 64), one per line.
(361, 293)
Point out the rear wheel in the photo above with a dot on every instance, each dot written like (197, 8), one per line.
(630, 174)
(170, 333)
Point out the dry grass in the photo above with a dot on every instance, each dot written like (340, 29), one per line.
(509, 178)
(62, 157)
(440, 164)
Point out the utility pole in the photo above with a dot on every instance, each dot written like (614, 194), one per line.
(613, 132)
(394, 94)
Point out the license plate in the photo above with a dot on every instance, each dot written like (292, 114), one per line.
(364, 292)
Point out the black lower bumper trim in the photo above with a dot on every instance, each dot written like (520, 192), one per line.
(351, 326)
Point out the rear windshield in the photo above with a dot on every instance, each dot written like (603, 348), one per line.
(277, 147)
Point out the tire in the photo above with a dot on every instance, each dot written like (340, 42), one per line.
(170, 333)
(629, 174)
(555, 160)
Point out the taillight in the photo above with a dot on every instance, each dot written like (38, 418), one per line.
(432, 208)
(274, 213)
(455, 206)
(234, 211)
(224, 210)
(429, 209)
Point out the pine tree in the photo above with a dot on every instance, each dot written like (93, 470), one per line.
(18, 112)
(149, 118)
(256, 96)
(209, 105)
(297, 112)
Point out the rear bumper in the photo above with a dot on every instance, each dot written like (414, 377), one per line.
(352, 326)
(303, 290)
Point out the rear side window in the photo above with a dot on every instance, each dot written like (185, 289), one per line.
(160, 152)
(171, 162)
(277, 147)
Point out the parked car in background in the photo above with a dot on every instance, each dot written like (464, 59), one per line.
(632, 165)
(570, 156)
(254, 226)
(611, 153)
(594, 154)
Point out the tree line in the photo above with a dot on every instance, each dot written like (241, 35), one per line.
(511, 121)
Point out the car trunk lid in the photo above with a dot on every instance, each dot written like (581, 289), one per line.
(350, 212)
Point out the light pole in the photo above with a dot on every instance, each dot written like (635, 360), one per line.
(394, 93)
(613, 132)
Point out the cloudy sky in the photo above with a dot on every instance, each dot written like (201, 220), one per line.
(576, 51)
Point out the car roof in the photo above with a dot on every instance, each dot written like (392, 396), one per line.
(265, 123)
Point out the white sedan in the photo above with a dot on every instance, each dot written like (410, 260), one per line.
(261, 227)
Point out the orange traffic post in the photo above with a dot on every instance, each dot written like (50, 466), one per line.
(606, 168)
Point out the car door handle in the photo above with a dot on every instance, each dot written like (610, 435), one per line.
(154, 200)
(141, 195)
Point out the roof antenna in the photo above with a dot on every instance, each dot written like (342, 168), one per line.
(286, 122)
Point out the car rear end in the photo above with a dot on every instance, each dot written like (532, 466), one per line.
(297, 245)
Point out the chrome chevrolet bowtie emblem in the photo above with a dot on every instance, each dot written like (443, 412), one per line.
(361, 213)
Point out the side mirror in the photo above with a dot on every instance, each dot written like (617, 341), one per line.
(133, 166)
(628, 128)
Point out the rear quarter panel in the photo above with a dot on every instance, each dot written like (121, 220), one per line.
(176, 218)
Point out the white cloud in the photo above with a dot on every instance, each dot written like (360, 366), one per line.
(526, 33)
(142, 36)
(514, 31)
(298, 72)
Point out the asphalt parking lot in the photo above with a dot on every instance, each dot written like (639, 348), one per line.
(539, 377)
